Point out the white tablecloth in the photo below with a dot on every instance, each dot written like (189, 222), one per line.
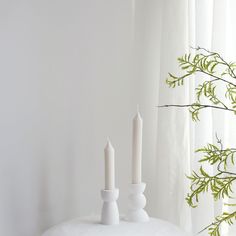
(90, 226)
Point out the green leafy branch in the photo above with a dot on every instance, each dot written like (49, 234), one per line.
(214, 228)
(195, 108)
(209, 64)
(217, 71)
(219, 184)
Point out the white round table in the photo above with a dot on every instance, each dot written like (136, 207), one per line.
(90, 226)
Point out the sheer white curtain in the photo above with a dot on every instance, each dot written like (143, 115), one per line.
(208, 24)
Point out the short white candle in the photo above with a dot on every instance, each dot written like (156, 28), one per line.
(109, 166)
(137, 149)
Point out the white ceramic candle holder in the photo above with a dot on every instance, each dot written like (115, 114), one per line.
(137, 202)
(110, 212)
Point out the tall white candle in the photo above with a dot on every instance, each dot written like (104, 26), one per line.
(137, 149)
(109, 166)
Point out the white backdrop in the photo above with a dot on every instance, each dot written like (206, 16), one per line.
(71, 74)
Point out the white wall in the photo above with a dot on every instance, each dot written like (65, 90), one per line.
(71, 74)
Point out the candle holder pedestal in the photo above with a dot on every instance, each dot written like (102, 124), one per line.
(137, 202)
(110, 212)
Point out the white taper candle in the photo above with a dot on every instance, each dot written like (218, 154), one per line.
(137, 149)
(109, 166)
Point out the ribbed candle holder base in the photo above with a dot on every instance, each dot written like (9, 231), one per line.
(137, 202)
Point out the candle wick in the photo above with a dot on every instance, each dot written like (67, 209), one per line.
(137, 107)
